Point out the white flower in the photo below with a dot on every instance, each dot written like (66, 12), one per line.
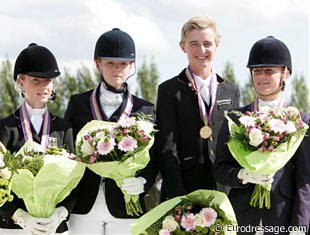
(145, 126)
(87, 149)
(247, 121)
(264, 117)
(169, 223)
(256, 137)
(292, 110)
(265, 110)
(100, 135)
(277, 126)
(290, 127)
(200, 220)
(1, 161)
(5, 173)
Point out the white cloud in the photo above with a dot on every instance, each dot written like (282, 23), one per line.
(70, 29)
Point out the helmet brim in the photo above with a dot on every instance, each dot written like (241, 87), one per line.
(52, 74)
(116, 58)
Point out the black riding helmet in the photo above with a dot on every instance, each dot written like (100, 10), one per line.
(269, 52)
(36, 61)
(115, 45)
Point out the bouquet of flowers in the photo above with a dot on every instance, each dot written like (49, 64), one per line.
(200, 212)
(5, 176)
(43, 177)
(264, 142)
(117, 150)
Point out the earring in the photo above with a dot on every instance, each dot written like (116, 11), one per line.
(53, 96)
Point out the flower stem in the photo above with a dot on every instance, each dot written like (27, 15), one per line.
(260, 197)
(133, 208)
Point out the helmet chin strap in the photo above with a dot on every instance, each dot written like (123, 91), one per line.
(124, 87)
(111, 88)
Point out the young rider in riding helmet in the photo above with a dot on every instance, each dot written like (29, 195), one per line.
(35, 71)
(101, 206)
(270, 66)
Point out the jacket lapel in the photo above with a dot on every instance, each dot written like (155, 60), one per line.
(186, 86)
(35, 137)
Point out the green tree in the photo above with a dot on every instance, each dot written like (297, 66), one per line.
(148, 80)
(69, 84)
(300, 94)
(9, 96)
(247, 92)
(228, 72)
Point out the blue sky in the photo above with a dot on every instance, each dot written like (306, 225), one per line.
(70, 29)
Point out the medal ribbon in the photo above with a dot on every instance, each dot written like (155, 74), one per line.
(204, 114)
(95, 106)
(25, 122)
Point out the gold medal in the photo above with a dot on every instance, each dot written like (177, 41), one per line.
(205, 132)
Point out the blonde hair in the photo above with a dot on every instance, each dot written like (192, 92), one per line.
(199, 22)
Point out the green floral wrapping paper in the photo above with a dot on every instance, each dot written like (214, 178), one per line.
(53, 183)
(143, 224)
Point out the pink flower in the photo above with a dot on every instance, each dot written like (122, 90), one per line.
(188, 222)
(95, 154)
(124, 131)
(277, 126)
(266, 136)
(177, 218)
(164, 232)
(247, 121)
(276, 138)
(210, 215)
(92, 160)
(127, 144)
(126, 121)
(87, 137)
(145, 138)
(178, 210)
(270, 148)
(265, 143)
(105, 146)
(262, 149)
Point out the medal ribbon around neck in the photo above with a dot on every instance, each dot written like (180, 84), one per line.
(25, 122)
(280, 105)
(96, 110)
(204, 115)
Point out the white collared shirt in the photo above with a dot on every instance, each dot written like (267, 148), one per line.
(274, 104)
(36, 117)
(204, 87)
(110, 101)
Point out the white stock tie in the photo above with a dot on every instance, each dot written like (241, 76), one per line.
(110, 101)
(36, 117)
(205, 93)
(36, 121)
(272, 104)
